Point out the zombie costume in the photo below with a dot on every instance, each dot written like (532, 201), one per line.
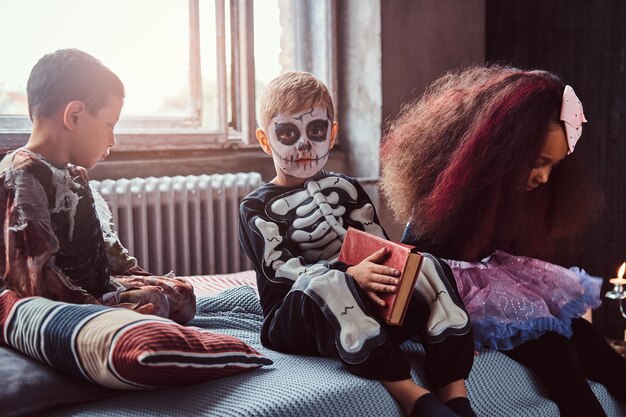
(58, 243)
(293, 235)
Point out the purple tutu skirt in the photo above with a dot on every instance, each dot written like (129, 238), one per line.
(512, 299)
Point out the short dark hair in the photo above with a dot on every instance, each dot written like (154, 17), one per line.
(67, 75)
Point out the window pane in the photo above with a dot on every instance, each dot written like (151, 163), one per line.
(208, 63)
(269, 58)
(146, 42)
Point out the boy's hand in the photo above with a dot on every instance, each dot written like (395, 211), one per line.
(373, 277)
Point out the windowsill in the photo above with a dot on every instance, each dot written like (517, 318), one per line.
(157, 163)
(155, 140)
(12, 140)
(249, 158)
(179, 152)
(170, 152)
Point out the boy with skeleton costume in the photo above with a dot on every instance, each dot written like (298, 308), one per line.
(292, 229)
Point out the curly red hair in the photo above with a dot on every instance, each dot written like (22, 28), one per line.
(456, 161)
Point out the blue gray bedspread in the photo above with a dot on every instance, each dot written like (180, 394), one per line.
(311, 386)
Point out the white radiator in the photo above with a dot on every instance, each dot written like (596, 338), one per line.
(183, 224)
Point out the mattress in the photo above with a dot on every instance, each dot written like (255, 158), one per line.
(301, 385)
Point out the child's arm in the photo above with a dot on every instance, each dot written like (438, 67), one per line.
(120, 261)
(373, 277)
(263, 240)
(370, 274)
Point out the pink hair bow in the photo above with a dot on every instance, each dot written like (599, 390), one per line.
(573, 116)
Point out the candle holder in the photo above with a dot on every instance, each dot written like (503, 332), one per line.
(618, 292)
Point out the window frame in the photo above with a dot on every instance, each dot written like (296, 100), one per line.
(176, 134)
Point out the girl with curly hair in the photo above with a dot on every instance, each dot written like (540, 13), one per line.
(468, 164)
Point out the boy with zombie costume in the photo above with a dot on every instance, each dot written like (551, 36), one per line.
(292, 229)
(58, 241)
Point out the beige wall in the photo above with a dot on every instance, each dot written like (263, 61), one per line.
(421, 40)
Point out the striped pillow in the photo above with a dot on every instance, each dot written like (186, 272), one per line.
(119, 348)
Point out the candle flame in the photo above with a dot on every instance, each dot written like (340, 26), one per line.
(622, 269)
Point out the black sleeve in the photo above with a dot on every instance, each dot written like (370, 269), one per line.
(362, 200)
(257, 234)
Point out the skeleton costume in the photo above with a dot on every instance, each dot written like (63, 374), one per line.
(293, 235)
(58, 243)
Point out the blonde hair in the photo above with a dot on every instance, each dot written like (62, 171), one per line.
(291, 92)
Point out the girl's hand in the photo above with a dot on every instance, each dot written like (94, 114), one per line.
(375, 278)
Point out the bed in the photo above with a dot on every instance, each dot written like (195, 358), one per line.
(291, 386)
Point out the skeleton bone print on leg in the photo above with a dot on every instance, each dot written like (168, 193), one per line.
(447, 317)
(301, 142)
(356, 332)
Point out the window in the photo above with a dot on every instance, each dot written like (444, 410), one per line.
(193, 70)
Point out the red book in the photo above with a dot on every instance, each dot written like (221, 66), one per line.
(358, 245)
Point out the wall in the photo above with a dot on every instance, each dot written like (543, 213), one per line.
(360, 90)
(421, 40)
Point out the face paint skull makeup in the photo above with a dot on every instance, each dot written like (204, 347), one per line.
(301, 142)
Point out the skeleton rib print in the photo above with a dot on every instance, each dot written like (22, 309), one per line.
(315, 215)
